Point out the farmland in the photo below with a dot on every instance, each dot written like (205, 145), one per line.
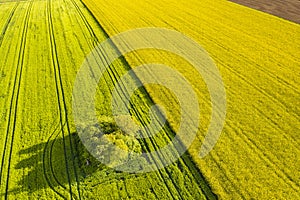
(257, 55)
(42, 156)
(43, 45)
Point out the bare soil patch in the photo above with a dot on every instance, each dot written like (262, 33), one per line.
(286, 9)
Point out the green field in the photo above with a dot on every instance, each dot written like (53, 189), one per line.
(44, 43)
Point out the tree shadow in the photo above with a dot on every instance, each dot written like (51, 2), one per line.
(62, 167)
(61, 164)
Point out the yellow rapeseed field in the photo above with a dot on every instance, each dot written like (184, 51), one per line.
(257, 155)
(43, 45)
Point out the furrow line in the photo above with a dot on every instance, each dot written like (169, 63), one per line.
(279, 172)
(59, 89)
(237, 54)
(117, 76)
(7, 23)
(113, 77)
(200, 174)
(270, 97)
(45, 168)
(251, 144)
(95, 43)
(12, 118)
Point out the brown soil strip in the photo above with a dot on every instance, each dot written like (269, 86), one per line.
(286, 9)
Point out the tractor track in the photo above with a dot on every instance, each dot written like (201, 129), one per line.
(268, 73)
(281, 174)
(169, 133)
(7, 23)
(63, 115)
(237, 54)
(12, 118)
(240, 194)
(45, 151)
(114, 76)
(264, 156)
(88, 27)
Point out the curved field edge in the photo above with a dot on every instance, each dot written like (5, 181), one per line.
(257, 56)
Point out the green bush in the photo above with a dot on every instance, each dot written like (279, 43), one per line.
(105, 139)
